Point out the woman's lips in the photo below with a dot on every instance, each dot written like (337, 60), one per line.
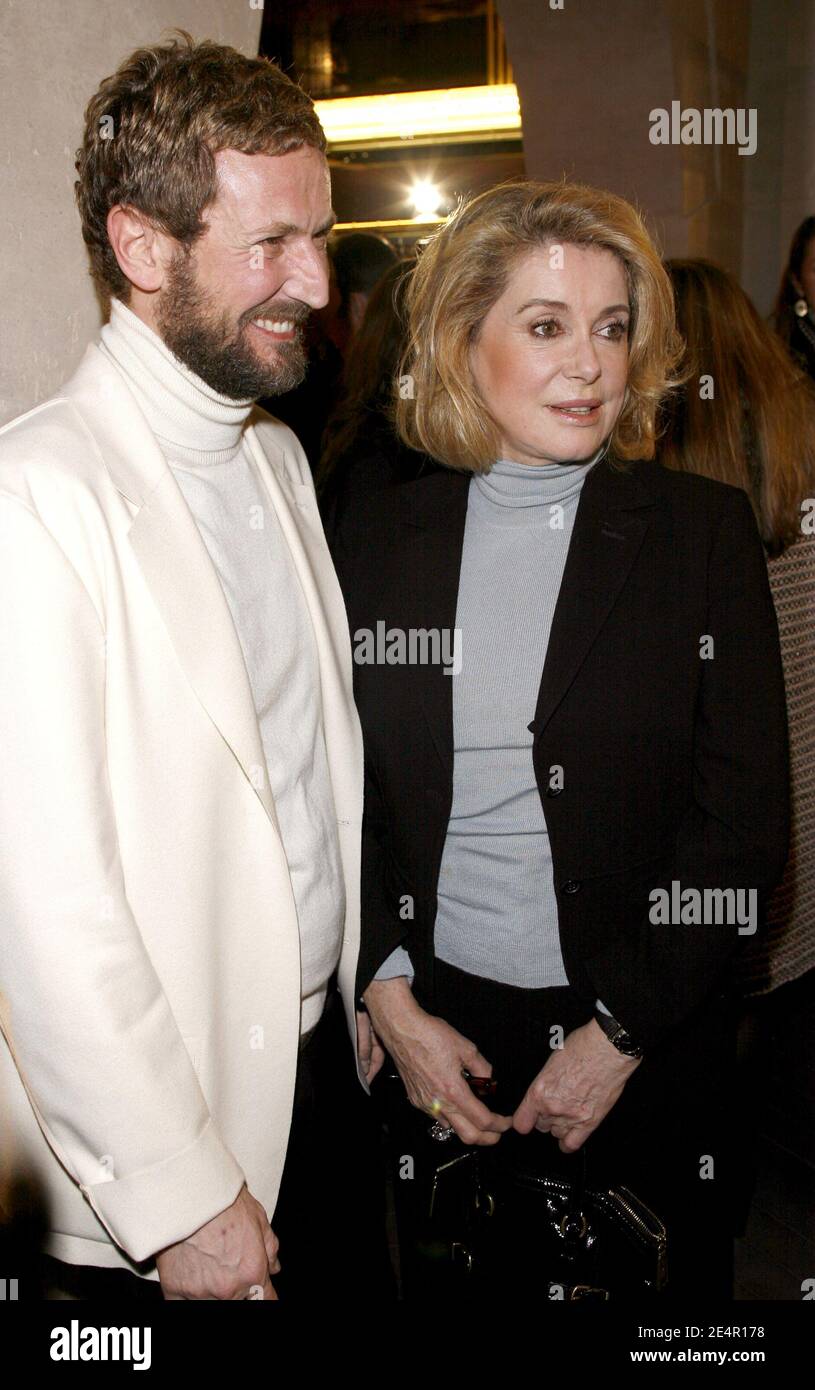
(574, 413)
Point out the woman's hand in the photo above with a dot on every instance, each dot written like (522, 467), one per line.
(370, 1049)
(576, 1089)
(429, 1056)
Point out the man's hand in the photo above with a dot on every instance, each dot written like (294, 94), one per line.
(371, 1051)
(429, 1056)
(231, 1257)
(576, 1089)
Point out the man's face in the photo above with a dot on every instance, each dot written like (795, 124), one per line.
(233, 308)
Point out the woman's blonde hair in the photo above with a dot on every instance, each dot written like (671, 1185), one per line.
(465, 268)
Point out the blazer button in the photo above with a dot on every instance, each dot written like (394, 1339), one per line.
(571, 886)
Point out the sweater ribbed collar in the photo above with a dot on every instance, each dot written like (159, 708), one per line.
(193, 423)
(511, 484)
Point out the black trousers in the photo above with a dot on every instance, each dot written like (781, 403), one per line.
(330, 1212)
(672, 1137)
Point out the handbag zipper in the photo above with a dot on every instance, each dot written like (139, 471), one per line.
(660, 1235)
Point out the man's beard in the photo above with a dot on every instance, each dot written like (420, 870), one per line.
(205, 341)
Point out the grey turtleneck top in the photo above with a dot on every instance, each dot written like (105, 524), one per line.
(497, 912)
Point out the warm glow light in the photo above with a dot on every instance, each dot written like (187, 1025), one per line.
(399, 226)
(403, 116)
(426, 198)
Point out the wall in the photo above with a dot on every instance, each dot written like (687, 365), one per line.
(590, 73)
(780, 188)
(52, 58)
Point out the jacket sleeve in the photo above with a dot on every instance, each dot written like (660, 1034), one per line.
(735, 835)
(382, 928)
(81, 1007)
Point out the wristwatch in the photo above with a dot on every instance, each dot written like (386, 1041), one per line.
(618, 1035)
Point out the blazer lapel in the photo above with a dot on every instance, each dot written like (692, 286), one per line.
(437, 516)
(296, 509)
(175, 563)
(613, 514)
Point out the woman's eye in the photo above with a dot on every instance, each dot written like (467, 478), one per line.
(549, 328)
(615, 331)
(271, 240)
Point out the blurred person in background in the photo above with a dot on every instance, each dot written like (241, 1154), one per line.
(520, 816)
(358, 261)
(794, 312)
(362, 451)
(746, 416)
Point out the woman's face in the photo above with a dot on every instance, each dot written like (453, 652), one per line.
(551, 358)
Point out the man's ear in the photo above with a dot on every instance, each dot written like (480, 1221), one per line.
(142, 250)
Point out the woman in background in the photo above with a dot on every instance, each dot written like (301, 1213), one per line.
(794, 312)
(361, 451)
(747, 416)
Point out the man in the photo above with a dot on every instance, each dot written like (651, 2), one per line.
(181, 798)
(359, 260)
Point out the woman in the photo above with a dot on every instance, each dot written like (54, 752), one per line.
(361, 450)
(615, 726)
(756, 430)
(794, 312)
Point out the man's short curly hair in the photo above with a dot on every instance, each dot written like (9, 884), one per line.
(153, 128)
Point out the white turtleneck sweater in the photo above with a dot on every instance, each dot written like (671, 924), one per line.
(201, 435)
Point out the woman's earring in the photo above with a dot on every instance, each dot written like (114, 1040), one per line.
(801, 308)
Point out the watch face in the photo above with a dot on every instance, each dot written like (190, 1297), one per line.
(625, 1044)
(617, 1035)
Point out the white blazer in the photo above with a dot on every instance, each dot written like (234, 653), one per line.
(149, 949)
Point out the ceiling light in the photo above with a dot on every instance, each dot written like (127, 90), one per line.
(426, 198)
(452, 113)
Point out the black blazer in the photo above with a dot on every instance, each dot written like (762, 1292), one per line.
(675, 766)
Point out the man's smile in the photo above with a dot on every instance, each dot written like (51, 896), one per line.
(283, 330)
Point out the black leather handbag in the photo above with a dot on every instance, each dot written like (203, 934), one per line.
(483, 1224)
(510, 1230)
